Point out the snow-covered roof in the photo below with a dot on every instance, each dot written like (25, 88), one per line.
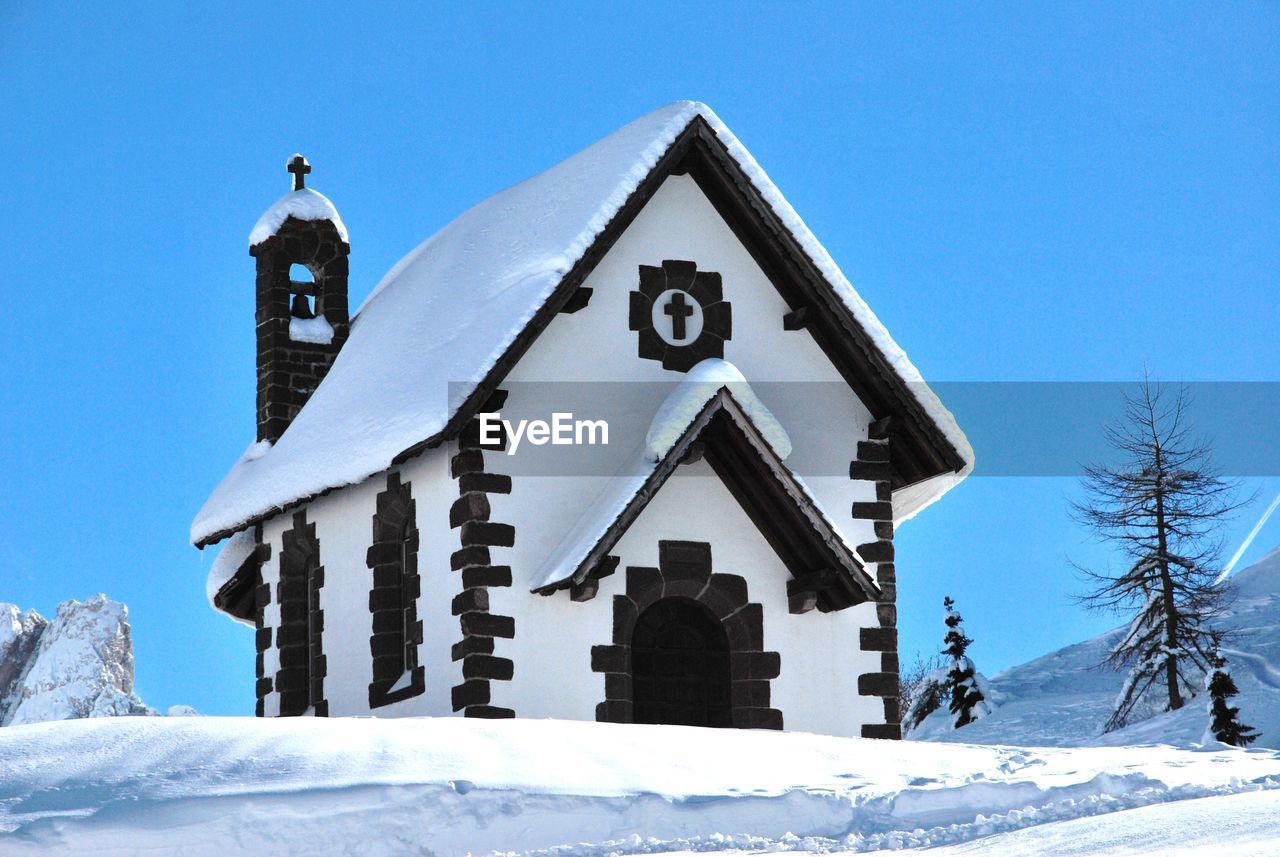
(303, 204)
(458, 302)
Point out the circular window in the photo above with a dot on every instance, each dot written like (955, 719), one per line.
(677, 317)
(680, 314)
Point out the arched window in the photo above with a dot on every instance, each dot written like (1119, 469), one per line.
(300, 679)
(393, 599)
(302, 287)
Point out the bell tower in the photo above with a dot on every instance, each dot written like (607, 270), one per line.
(301, 249)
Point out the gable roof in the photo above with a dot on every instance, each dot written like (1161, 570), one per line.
(470, 300)
(737, 436)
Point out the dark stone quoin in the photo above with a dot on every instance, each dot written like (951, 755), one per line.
(262, 634)
(872, 464)
(480, 536)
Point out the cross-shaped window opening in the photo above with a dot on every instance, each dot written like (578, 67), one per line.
(679, 311)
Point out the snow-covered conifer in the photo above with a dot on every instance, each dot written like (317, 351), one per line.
(967, 700)
(1161, 506)
(922, 689)
(1224, 719)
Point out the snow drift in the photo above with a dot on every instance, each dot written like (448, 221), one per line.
(452, 786)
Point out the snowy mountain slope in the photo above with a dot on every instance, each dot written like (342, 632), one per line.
(1063, 698)
(451, 786)
(80, 664)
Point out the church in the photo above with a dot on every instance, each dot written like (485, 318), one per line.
(618, 443)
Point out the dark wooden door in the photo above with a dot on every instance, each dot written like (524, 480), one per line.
(680, 666)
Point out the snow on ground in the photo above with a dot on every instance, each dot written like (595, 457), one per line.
(1239, 825)
(221, 786)
(1063, 698)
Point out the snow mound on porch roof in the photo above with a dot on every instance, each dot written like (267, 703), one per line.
(304, 204)
(441, 319)
(694, 390)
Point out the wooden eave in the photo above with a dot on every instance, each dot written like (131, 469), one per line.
(236, 596)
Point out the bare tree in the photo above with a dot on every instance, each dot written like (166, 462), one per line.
(1162, 506)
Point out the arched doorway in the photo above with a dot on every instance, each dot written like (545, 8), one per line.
(680, 666)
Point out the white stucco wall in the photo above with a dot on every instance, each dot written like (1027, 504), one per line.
(793, 377)
(817, 688)
(344, 526)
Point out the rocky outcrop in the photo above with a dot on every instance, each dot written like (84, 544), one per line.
(80, 664)
(19, 633)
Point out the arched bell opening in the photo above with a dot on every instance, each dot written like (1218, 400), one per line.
(680, 669)
(304, 302)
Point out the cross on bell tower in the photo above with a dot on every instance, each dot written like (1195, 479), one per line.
(679, 311)
(299, 167)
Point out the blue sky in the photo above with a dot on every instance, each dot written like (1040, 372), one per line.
(1022, 193)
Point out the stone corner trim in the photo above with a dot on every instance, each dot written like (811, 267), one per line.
(262, 636)
(873, 465)
(479, 536)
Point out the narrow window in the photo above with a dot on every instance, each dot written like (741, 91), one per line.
(408, 606)
(393, 598)
(300, 679)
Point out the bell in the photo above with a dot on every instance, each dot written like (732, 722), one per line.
(301, 307)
